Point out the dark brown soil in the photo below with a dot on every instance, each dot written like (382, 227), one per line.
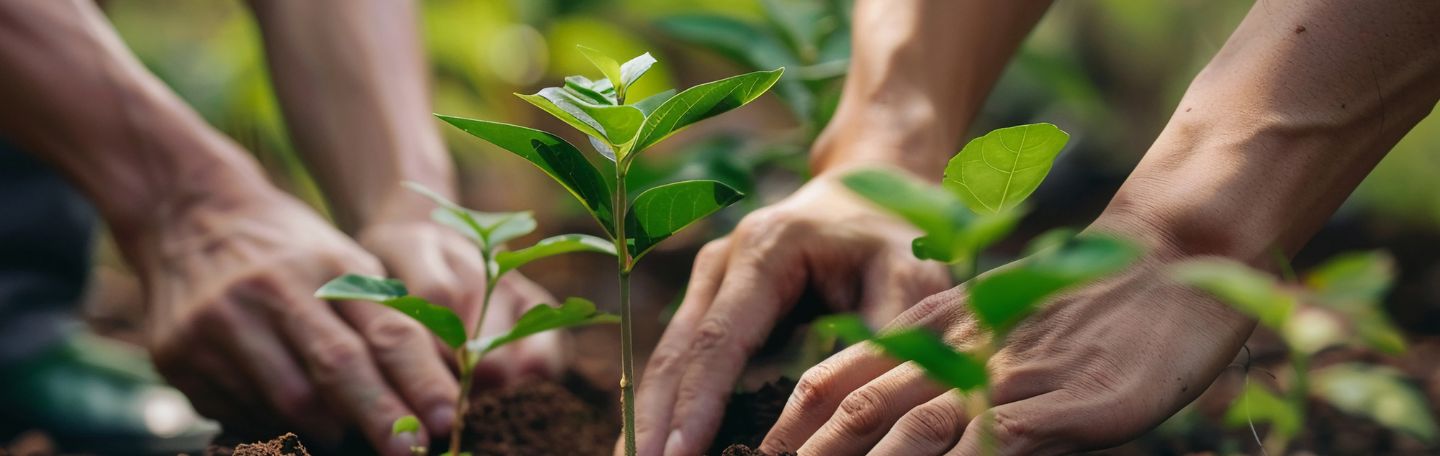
(541, 418)
(285, 445)
(749, 416)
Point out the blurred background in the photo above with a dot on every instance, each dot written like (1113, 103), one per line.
(1108, 71)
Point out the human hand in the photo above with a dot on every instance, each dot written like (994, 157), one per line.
(857, 259)
(1095, 368)
(439, 264)
(235, 326)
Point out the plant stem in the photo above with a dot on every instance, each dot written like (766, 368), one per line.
(467, 374)
(627, 355)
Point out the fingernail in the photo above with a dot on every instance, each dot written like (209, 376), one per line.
(400, 445)
(673, 443)
(441, 419)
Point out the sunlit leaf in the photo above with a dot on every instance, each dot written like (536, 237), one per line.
(608, 66)
(598, 92)
(1357, 279)
(664, 210)
(1253, 292)
(407, 424)
(551, 246)
(615, 124)
(573, 312)
(702, 102)
(557, 158)
(361, 288)
(1004, 297)
(633, 69)
(1260, 406)
(1377, 393)
(997, 171)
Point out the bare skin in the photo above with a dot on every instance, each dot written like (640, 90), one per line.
(229, 263)
(1289, 117)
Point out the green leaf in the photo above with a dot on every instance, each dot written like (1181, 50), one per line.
(615, 124)
(1005, 297)
(573, 312)
(997, 171)
(407, 424)
(661, 211)
(489, 229)
(925, 348)
(649, 104)
(608, 66)
(598, 92)
(632, 70)
(550, 246)
(702, 102)
(361, 288)
(1258, 405)
(440, 320)
(945, 365)
(1353, 280)
(952, 232)
(1252, 292)
(1377, 393)
(557, 158)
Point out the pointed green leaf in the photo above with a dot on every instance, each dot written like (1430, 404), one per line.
(557, 158)
(440, 320)
(952, 232)
(941, 362)
(664, 210)
(489, 229)
(1005, 297)
(1353, 281)
(702, 102)
(598, 92)
(997, 171)
(574, 312)
(1378, 393)
(632, 70)
(361, 288)
(551, 246)
(615, 124)
(1250, 291)
(1260, 406)
(649, 104)
(608, 66)
(407, 424)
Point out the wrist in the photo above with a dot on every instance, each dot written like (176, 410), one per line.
(909, 136)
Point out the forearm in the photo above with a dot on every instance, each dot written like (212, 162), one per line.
(919, 73)
(72, 94)
(1294, 111)
(351, 78)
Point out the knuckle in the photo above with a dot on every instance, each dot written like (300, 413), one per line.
(711, 334)
(1010, 429)
(862, 412)
(664, 361)
(392, 333)
(765, 221)
(814, 388)
(932, 422)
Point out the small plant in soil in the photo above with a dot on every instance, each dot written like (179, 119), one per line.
(1338, 303)
(490, 232)
(620, 129)
(984, 187)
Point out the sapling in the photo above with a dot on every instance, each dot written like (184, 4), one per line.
(983, 188)
(1338, 303)
(620, 129)
(490, 232)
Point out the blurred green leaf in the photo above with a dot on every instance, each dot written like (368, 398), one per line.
(1258, 405)
(1250, 291)
(702, 102)
(573, 312)
(923, 347)
(749, 45)
(555, 245)
(608, 66)
(1353, 279)
(557, 158)
(997, 171)
(1049, 240)
(952, 232)
(664, 210)
(1005, 297)
(1310, 330)
(1376, 331)
(489, 229)
(361, 288)
(848, 327)
(615, 124)
(1377, 393)
(405, 425)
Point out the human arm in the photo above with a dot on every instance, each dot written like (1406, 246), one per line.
(1297, 107)
(919, 73)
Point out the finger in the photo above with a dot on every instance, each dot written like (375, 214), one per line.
(819, 392)
(339, 363)
(261, 357)
(895, 283)
(929, 429)
(751, 298)
(1051, 423)
(655, 398)
(545, 354)
(867, 413)
(400, 347)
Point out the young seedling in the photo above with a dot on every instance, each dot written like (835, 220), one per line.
(620, 130)
(983, 188)
(1337, 304)
(490, 231)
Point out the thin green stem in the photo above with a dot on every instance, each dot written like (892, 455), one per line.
(467, 377)
(627, 351)
(1287, 271)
